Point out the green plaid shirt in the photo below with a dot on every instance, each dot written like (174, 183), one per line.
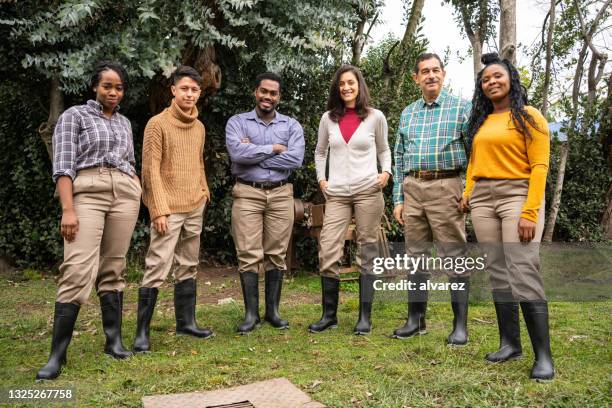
(430, 137)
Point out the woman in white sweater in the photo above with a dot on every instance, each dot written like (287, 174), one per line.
(356, 136)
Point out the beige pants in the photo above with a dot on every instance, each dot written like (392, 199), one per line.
(179, 246)
(496, 207)
(106, 202)
(368, 207)
(262, 224)
(431, 215)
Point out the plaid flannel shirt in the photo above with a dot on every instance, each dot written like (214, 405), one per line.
(430, 137)
(85, 138)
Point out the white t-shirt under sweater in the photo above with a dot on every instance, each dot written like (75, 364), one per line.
(352, 165)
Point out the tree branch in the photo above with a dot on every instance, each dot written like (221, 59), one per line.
(588, 35)
(549, 43)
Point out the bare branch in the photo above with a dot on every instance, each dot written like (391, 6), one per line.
(588, 35)
(549, 43)
(372, 25)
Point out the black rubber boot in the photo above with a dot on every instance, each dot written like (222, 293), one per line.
(459, 303)
(250, 293)
(536, 319)
(63, 326)
(111, 305)
(417, 307)
(507, 311)
(274, 284)
(184, 310)
(366, 297)
(147, 297)
(330, 289)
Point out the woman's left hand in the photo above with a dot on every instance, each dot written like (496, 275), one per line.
(383, 179)
(526, 229)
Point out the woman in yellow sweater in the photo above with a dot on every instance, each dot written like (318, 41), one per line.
(505, 184)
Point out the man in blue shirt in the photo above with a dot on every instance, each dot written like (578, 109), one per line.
(264, 147)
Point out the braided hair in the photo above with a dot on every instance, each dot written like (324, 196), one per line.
(482, 106)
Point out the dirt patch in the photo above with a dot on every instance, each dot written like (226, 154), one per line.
(216, 283)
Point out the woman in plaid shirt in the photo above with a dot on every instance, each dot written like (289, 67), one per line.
(99, 190)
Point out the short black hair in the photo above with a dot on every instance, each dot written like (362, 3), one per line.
(106, 65)
(186, 71)
(425, 56)
(271, 76)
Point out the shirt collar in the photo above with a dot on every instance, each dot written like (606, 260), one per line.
(97, 106)
(438, 100)
(278, 117)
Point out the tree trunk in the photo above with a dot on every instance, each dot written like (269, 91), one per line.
(507, 30)
(358, 38)
(476, 35)
(394, 77)
(413, 22)
(606, 221)
(476, 55)
(606, 139)
(56, 107)
(204, 61)
(549, 43)
(556, 200)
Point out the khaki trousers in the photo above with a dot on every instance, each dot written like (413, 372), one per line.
(368, 207)
(496, 207)
(431, 215)
(178, 247)
(262, 224)
(106, 202)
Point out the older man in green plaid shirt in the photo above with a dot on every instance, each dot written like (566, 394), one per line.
(429, 156)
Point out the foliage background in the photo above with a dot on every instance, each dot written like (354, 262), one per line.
(303, 41)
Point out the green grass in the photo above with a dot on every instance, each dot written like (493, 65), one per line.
(336, 367)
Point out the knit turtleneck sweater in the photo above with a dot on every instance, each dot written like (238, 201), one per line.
(173, 175)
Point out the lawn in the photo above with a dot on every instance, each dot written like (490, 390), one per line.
(335, 367)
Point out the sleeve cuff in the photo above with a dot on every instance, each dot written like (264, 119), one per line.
(529, 216)
(69, 172)
(154, 212)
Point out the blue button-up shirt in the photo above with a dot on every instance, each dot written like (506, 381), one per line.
(254, 160)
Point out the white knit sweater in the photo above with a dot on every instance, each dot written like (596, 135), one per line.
(352, 165)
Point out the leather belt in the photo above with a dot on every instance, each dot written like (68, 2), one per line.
(263, 185)
(433, 174)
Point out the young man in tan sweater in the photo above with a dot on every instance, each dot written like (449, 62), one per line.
(176, 192)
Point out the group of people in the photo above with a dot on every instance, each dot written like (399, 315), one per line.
(502, 141)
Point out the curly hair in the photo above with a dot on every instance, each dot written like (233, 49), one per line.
(335, 104)
(482, 106)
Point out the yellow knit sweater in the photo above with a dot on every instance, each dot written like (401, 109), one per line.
(500, 151)
(173, 175)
